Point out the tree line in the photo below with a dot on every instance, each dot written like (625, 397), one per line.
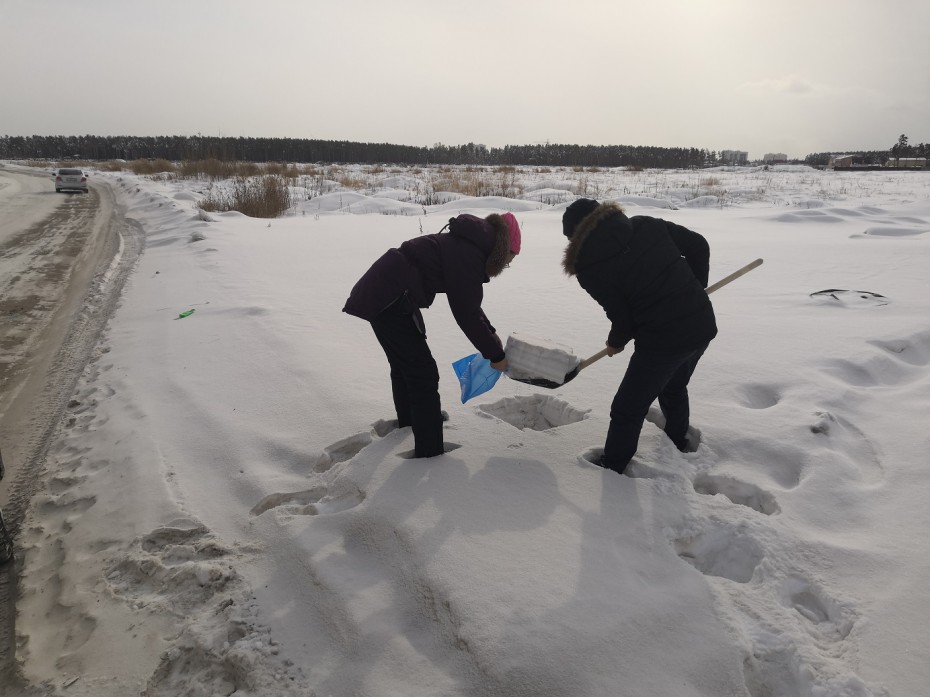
(302, 150)
(178, 148)
(874, 157)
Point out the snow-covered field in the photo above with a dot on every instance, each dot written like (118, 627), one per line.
(225, 510)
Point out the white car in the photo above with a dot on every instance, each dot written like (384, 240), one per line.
(70, 179)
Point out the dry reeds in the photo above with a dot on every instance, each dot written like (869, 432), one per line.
(267, 196)
(151, 167)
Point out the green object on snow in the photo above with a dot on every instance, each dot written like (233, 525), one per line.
(186, 313)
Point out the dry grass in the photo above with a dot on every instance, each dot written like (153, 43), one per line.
(152, 167)
(75, 163)
(309, 170)
(266, 196)
(287, 171)
(350, 182)
(214, 169)
(474, 181)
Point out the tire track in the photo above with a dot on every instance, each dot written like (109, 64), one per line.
(78, 262)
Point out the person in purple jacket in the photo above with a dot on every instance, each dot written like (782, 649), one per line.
(407, 278)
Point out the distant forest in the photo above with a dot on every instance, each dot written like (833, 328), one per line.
(178, 148)
(298, 150)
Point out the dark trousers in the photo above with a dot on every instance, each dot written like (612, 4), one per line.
(650, 375)
(414, 375)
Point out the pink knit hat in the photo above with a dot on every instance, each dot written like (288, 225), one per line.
(514, 229)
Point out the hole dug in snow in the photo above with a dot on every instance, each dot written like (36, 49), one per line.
(538, 412)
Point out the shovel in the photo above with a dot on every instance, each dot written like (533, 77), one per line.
(571, 375)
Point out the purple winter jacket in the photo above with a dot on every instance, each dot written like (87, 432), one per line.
(455, 263)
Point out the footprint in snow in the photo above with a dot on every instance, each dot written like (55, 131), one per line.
(340, 496)
(341, 450)
(693, 437)
(635, 470)
(722, 551)
(827, 617)
(760, 396)
(901, 361)
(182, 543)
(913, 350)
(382, 427)
(853, 448)
(741, 493)
(591, 458)
(316, 501)
(783, 462)
(176, 568)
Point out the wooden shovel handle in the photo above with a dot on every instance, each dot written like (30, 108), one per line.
(733, 276)
(710, 289)
(596, 357)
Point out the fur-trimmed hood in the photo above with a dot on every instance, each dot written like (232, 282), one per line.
(583, 230)
(490, 234)
(497, 259)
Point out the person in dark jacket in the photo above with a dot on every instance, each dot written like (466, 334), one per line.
(649, 275)
(404, 280)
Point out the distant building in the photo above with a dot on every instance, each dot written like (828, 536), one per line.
(734, 157)
(909, 162)
(774, 157)
(842, 161)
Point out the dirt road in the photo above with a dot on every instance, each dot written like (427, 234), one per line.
(63, 261)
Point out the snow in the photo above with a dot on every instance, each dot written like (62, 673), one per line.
(531, 357)
(225, 509)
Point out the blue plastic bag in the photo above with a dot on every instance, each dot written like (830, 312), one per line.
(476, 376)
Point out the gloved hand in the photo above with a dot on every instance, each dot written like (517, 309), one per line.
(613, 350)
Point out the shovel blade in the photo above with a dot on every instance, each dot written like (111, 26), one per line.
(538, 382)
(548, 384)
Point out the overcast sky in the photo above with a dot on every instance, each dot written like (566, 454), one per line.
(791, 76)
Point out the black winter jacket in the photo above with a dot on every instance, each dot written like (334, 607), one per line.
(649, 276)
(456, 263)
